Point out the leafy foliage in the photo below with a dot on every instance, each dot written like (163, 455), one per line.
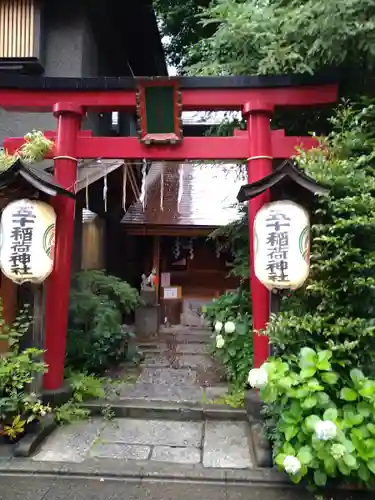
(97, 305)
(180, 23)
(84, 387)
(310, 390)
(330, 321)
(236, 353)
(235, 238)
(274, 36)
(18, 407)
(35, 147)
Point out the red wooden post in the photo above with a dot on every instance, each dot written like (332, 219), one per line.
(58, 286)
(260, 159)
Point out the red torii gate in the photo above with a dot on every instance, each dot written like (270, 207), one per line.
(256, 97)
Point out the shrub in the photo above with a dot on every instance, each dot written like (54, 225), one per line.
(230, 317)
(324, 420)
(18, 407)
(96, 338)
(324, 337)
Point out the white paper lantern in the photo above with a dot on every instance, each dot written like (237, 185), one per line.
(282, 245)
(27, 239)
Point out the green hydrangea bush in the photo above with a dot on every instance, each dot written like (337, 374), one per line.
(325, 426)
(319, 389)
(229, 316)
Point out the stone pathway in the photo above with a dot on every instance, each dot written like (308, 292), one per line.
(217, 444)
(177, 370)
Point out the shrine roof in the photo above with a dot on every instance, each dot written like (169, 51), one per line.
(30, 82)
(201, 195)
(288, 169)
(33, 174)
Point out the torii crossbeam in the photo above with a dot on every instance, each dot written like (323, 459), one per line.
(160, 138)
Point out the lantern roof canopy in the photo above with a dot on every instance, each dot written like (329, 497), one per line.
(286, 171)
(34, 175)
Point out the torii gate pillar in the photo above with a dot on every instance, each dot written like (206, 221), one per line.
(257, 115)
(57, 299)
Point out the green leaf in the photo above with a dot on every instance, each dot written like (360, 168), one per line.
(308, 372)
(368, 388)
(371, 465)
(305, 455)
(314, 385)
(296, 410)
(330, 465)
(323, 398)
(311, 422)
(364, 409)
(348, 394)
(309, 403)
(330, 414)
(323, 360)
(330, 377)
(320, 478)
(280, 459)
(364, 473)
(371, 428)
(308, 358)
(291, 432)
(343, 468)
(356, 375)
(350, 461)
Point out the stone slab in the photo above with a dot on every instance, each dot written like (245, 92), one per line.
(177, 455)
(156, 360)
(191, 348)
(123, 451)
(167, 376)
(194, 361)
(226, 445)
(163, 490)
(160, 392)
(153, 432)
(69, 443)
(216, 392)
(16, 488)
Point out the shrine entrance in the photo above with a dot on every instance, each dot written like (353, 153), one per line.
(159, 104)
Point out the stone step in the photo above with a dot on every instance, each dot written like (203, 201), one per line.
(131, 480)
(166, 410)
(178, 360)
(182, 348)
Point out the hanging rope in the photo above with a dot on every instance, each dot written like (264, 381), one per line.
(105, 189)
(162, 187)
(180, 186)
(143, 185)
(124, 182)
(87, 192)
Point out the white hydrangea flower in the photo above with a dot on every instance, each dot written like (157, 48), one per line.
(292, 465)
(229, 327)
(218, 326)
(258, 378)
(220, 341)
(338, 451)
(325, 430)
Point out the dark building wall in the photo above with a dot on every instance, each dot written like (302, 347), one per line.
(69, 50)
